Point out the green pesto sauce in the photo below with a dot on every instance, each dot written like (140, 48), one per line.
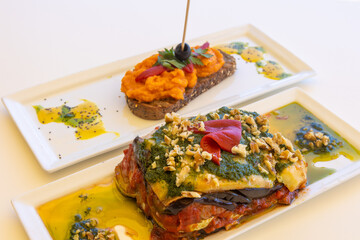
(280, 166)
(233, 170)
(152, 150)
(158, 173)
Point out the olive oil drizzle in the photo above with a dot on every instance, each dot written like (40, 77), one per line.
(269, 68)
(290, 119)
(101, 202)
(85, 118)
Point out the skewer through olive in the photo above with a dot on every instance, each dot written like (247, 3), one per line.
(182, 54)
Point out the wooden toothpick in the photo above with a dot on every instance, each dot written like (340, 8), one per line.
(186, 18)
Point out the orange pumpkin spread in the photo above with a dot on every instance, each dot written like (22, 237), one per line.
(211, 65)
(170, 83)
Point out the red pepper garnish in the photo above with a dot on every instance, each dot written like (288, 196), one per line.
(205, 45)
(189, 68)
(220, 134)
(156, 70)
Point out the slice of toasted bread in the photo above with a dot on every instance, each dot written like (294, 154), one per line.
(157, 109)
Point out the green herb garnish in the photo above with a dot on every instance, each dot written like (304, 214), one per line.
(167, 58)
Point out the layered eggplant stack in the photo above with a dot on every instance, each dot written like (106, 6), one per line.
(195, 176)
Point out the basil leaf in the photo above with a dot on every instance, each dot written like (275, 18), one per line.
(65, 109)
(167, 65)
(206, 55)
(175, 63)
(196, 61)
(74, 122)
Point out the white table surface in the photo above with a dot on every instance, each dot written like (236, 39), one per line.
(41, 40)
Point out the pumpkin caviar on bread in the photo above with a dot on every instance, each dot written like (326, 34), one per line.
(167, 81)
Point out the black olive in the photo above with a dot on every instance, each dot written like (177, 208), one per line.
(182, 55)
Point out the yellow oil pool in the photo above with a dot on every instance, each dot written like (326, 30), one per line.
(85, 118)
(269, 68)
(102, 202)
(290, 119)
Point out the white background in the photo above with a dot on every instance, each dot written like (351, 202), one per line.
(41, 40)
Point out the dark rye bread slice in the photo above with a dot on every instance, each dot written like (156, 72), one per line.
(157, 109)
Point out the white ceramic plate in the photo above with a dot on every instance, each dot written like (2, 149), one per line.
(102, 86)
(26, 204)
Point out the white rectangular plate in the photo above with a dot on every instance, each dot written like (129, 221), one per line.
(102, 86)
(26, 204)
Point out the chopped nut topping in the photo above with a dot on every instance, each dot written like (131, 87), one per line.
(175, 130)
(261, 169)
(319, 135)
(185, 123)
(196, 147)
(254, 130)
(289, 145)
(215, 115)
(310, 135)
(325, 140)
(182, 175)
(169, 168)
(264, 128)
(157, 157)
(173, 153)
(153, 165)
(299, 155)
(170, 161)
(174, 142)
(199, 160)
(178, 150)
(212, 179)
(293, 159)
(285, 155)
(239, 149)
(262, 120)
(234, 111)
(189, 152)
(185, 134)
(206, 155)
(190, 194)
(254, 147)
(202, 126)
(167, 140)
(168, 118)
(270, 163)
(318, 143)
(273, 145)
(250, 120)
(262, 144)
(200, 117)
(176, 117)
(237, 117)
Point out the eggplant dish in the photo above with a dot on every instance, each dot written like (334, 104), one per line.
(199, 175)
